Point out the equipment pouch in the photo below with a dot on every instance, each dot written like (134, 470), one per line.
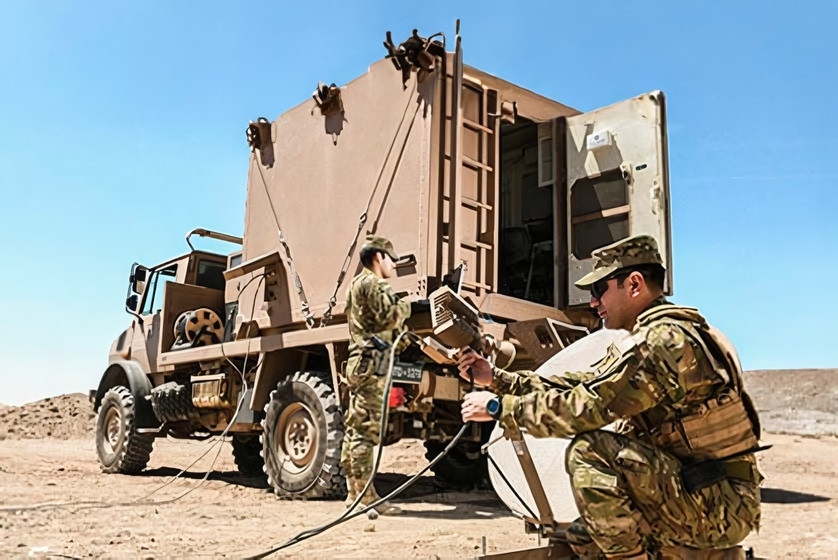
(702, 474)
(718, 428)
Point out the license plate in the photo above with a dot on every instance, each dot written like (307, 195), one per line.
(407, 372)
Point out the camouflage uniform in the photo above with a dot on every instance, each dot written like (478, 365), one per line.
(628, 485)
(372, 310)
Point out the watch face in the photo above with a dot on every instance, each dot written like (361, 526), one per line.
(493, 406)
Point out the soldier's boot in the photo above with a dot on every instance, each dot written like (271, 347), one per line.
(351, 494)
(353, 488)
(385, 508)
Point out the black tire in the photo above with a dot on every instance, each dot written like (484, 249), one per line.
(172, 402)
(119, 447)
(247, 452)
(464, 466)
(302, 435)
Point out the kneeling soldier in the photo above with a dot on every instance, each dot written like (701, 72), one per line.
(681, 471)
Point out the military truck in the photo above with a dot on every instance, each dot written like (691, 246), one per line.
(493, 195)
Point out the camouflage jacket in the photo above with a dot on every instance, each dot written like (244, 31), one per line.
(372, 309)
(654, 375)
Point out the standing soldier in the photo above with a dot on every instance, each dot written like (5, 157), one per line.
(681, 476)
(372, 310)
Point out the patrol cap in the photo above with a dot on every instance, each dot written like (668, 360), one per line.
(381, 244)
(632, 251)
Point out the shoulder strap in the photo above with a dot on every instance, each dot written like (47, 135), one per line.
(727, 352)
(669, 310)
(698, 331)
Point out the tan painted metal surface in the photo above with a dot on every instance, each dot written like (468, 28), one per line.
(618, 152)
(458, 168)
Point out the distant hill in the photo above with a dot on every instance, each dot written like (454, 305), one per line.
(796, 401)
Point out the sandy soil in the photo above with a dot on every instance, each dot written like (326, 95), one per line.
(232, 515)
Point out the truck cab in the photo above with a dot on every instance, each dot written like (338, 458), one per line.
(200, 273)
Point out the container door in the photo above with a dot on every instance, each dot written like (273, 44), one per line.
(617, 182)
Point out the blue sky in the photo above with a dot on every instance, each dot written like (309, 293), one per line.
(122, 127)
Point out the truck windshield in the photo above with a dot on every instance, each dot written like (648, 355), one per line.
(211, 274)
(153, 301)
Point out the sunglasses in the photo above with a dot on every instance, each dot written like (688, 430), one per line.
(599, 287)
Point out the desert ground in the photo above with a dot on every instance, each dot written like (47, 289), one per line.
(55, 502)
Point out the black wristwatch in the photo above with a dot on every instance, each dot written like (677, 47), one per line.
(494, 408)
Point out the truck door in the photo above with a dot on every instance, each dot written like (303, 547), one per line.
(149, 333)
(617, 182)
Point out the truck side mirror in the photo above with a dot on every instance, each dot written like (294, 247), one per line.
(131, 303)
(138, 277)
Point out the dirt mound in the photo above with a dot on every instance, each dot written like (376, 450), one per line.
(64, 417)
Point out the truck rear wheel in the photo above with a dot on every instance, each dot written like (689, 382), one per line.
(247, 452)
(302, 434)
(463, 466)
(120, 448)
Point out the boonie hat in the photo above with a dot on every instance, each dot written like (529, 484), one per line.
(632, 251)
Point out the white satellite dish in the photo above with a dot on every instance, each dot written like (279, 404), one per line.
(548, 454)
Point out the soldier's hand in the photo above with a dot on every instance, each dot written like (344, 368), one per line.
(474, 406)
(471, 363)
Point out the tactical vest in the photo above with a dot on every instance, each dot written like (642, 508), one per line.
(725, 424)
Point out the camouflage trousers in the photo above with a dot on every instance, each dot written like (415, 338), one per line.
(363, 424)
(631, 499)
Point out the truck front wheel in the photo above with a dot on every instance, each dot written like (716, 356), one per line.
(120, 448)
(302, 434)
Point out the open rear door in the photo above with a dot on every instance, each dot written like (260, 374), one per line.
(617, 182)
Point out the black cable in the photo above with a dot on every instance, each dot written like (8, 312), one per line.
(346, 517)
(385, 410)
(242, 372)
(506, 480)
(349, 514)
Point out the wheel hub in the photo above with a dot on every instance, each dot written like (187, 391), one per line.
(113, 428)
(298, 434)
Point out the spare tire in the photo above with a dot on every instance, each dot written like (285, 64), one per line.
(172, 402)
(302, 435)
